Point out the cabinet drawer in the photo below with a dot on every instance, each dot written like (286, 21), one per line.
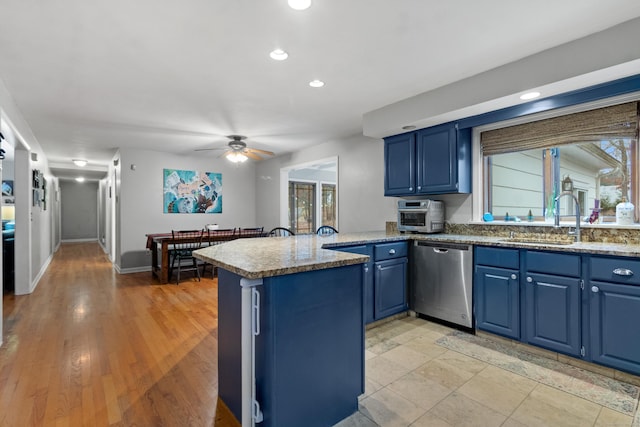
(390, 250)
(497, 257)
(616, 270)
(554, 263)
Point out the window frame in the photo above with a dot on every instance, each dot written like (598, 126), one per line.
(481, 178)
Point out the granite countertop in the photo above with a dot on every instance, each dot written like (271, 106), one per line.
(275, 256)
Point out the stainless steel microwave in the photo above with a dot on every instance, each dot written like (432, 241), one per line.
(421, 216)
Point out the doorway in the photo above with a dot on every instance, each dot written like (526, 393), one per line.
(308, 196)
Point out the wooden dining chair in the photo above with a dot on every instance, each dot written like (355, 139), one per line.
(251, 232)
(183, 244)
(215, 237)
(326, 230)
(280, 232)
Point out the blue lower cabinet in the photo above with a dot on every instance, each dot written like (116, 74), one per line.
(309, 351)
(384, 278)
(497, 301)
(390, 287)
(368, 278)
(615, 318)
(553, 316)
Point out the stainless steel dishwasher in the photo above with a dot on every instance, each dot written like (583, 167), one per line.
(440, 281)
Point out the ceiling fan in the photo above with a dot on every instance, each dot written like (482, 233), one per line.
(238, 150)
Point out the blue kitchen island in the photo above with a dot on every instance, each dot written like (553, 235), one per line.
(290, 329)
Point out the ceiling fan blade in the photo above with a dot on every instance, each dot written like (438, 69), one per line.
(209, 149)
(251, 155)
(257, 150)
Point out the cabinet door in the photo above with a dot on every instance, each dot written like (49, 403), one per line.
(368, 277)
(615, 316)
(390, 287)
(497, 301)
(437, 165)
(399, 165)
(553, 313)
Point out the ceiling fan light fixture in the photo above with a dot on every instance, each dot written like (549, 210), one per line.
(299, 4)
(80, 162)
(278, 55)
(236, 157)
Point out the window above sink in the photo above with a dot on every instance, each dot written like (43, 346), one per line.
(593, 148)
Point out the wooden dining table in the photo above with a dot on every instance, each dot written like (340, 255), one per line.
(162, 242)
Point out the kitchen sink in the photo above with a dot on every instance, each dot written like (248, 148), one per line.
(558, 241)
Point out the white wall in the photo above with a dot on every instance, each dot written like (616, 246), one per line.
(34, 234)
(139, 205)
(600, 57)
(79, 208)
(361, 202)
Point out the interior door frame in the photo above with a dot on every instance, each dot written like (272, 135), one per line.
(284, 188)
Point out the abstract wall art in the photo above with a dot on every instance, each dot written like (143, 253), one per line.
(192, 191)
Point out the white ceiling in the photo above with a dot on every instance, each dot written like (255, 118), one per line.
(92, 76)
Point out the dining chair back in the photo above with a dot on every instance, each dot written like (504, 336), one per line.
(183, 244)
(281, 232)
(215, 237)
(251, 232)
(326, 230)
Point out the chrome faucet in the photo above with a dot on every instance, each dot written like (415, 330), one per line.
(576, 231)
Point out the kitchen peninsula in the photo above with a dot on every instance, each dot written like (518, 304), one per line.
(290, 328)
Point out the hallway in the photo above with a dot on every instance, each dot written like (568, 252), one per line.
(91, 347)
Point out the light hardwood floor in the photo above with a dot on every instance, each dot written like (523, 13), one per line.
(91, 347)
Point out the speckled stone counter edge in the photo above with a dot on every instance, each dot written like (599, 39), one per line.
(268, 257)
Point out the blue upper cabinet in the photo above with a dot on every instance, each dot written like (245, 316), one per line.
(443, 160)
(435, 160)
(399, 161)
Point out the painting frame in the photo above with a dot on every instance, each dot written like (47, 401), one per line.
(191, 192)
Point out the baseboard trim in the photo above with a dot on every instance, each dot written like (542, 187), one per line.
(131, 270)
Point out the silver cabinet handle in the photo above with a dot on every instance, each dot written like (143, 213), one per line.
(392, 251)
(419, 187)
(366, 268)
(410, 188)
(513, 276)
(623, 272)
(529, 280)
(595, 289)
(379, 267)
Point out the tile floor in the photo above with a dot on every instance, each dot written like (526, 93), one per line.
(419, 373)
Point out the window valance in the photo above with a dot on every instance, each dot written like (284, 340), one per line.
(614, 122)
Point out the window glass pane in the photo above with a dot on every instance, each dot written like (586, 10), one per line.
(600, 171)
(517, 184)
(329, 205)
(301, 207)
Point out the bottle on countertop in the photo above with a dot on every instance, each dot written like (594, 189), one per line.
(624, 212)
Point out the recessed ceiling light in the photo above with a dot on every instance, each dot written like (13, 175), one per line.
(316, 83)
(80, 162)
(529, 95)
(279, 55)
(80, 179)
(299, 4)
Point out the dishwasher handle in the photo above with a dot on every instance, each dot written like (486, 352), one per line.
(440, 250)
(442, 245)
